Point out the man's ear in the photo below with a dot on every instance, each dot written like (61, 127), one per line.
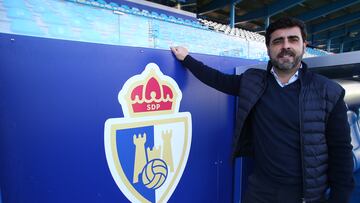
(306, 43)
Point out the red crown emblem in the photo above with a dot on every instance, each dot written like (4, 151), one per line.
(151, 97)
(150, 93)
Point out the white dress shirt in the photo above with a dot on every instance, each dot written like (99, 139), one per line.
(291, 80)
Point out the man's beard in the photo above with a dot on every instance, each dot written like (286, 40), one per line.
(287, 65)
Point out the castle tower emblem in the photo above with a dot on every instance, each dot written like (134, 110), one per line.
(147, 148)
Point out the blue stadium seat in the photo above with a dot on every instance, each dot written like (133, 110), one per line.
(126, 8)
(26, 27)
(202, 27)
(355, 137)
(154, 14)
(113, 6)
(180, 20)
(86, 2)
(135, 11)
(99, 3)
(195, 23)
(188, 22)
(172, 19)
(164, 17)
(145, 13)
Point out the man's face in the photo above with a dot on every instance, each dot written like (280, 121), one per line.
(286, 48)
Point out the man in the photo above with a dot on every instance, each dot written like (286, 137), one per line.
(292, 121)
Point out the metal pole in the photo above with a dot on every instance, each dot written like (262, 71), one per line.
(341, 47)
(328, 45)
(267, 22)
(232, 14)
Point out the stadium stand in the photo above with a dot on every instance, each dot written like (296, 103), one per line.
(110, 23)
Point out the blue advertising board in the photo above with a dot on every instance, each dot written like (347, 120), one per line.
(57, 95)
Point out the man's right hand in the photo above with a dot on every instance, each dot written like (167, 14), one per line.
(179, 52)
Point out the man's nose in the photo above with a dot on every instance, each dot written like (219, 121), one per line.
(286, 44)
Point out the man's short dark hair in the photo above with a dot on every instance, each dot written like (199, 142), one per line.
(285, 22)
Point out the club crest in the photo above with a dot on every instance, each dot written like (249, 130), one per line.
(148, 148)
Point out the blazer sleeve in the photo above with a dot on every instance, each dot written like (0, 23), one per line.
(226, 83)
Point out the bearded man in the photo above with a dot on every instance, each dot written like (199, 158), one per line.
(291, 121)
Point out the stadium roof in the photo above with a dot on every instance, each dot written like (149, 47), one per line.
(329, 22)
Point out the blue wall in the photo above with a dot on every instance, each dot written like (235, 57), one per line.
(55, 98)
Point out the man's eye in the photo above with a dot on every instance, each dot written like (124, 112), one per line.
(276, 41)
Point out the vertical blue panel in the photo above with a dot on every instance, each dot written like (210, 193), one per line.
(55, 98)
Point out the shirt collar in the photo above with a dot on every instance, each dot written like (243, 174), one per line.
(293, 78)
